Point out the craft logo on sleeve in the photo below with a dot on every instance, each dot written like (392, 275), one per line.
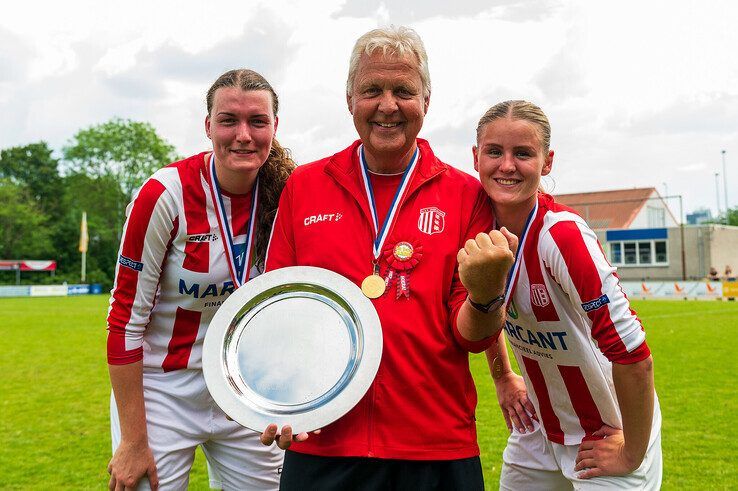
(202, 238)
(539, 295)
(431, 220)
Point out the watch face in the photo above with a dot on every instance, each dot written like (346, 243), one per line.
(487, 307)
(495, 303)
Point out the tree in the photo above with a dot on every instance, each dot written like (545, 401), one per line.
(99, 197)
(129, 151)
(32, 167)
(732, 217)
(23, 231)
(122, 150)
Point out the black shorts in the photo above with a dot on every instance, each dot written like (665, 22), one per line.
(310, 472)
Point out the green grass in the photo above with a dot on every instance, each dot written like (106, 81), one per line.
(54, 394)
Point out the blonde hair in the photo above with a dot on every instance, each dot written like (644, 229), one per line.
(400, 41)
(523, 110)
(278, 166)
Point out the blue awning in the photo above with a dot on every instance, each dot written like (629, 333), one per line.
(636, 234)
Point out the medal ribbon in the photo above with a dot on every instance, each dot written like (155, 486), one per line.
(512, 276)
(239, 275)
(401, 268)
(382, 233)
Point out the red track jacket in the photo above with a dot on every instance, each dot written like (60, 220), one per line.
(422, 401)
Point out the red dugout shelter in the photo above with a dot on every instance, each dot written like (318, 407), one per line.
(19, 265)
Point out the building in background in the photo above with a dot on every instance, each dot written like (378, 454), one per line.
(699, 216)
(641, 235)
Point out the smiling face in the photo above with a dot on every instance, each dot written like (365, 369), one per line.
(388, 105)
(241, 126)
(511, 159)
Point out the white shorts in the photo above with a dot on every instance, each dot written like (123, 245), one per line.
(533, 462)
(180, 415)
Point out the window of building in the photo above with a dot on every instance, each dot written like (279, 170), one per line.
(616, 252)
(639, 253)
(656, 216)
(644, 253)
(661, 256)
(630, 253)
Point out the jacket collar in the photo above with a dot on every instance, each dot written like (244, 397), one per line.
(344, 168)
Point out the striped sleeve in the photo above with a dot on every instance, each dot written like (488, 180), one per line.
(150, 225)
(574, 257)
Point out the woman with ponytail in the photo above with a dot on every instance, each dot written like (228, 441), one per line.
(195, 231)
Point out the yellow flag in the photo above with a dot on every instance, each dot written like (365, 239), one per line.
(83, 237)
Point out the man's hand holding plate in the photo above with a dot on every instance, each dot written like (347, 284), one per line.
(284, 438)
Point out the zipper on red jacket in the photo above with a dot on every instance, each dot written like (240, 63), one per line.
(370, 425)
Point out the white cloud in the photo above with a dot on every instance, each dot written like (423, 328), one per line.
(638, 93)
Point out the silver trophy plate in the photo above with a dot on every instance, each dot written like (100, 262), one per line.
(297, 346)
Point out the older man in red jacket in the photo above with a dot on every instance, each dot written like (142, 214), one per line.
(415, 233)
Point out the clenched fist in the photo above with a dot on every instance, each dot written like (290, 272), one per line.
(484, 263)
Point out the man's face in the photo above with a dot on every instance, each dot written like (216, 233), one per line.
(388, 104)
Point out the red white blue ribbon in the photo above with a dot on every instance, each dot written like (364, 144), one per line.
(239, 275)
(512, 276)
(381, 233)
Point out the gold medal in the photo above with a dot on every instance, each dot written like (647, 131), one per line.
(373, 286)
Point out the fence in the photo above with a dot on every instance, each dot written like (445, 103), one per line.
(698, 290)
(49, 290)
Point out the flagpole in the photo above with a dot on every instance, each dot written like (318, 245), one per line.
(84, 266)
(83, 240)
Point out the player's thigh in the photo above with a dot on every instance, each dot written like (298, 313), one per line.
(529, 463)
(530, 449)
(241, 461)
(647, 477)
(171, 441)
(515, 477)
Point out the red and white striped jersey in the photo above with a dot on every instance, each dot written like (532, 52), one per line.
(568, 320)
(172, 272)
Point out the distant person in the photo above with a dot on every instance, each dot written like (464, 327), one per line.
(416, 233)
(729, 276)
(713, 275)
(195, 232)
(586, 366)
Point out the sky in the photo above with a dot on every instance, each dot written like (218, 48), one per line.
(639, 93)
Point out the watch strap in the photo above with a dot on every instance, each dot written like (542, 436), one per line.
(486, 308)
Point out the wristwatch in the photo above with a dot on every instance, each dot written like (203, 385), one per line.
(488, 307)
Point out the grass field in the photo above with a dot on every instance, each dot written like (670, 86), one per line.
(54, 394)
